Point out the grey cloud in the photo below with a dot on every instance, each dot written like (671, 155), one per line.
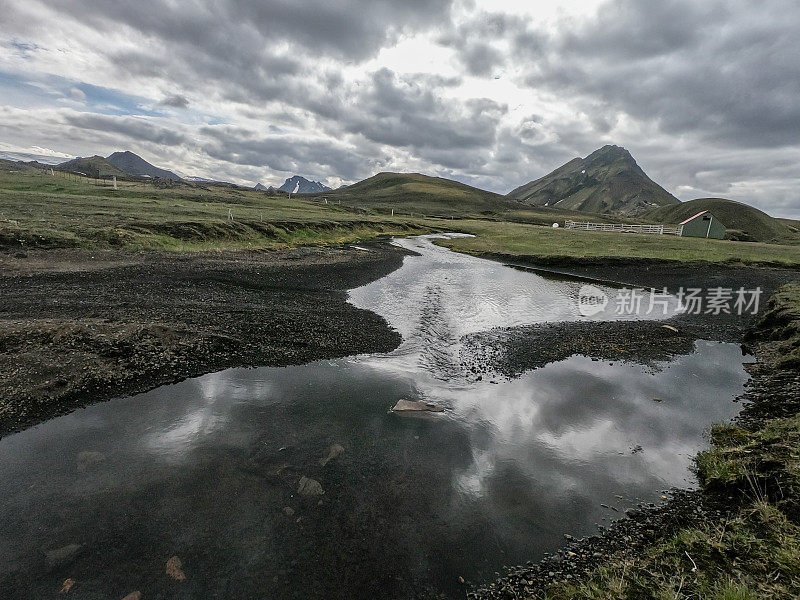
(347, 29)
(130, 127)
(724, 71)
(317, 158)
(407, 112)
(175, 101)
(473, 41)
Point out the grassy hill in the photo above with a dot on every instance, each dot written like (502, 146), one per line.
(93, 166)
(419, 194)
(606, 181)
(743, 221)
(40, 210)
(135, 165)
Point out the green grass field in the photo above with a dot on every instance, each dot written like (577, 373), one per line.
(518, 239)
(39, 210)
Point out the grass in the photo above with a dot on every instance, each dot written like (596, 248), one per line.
(781, 321)
(754, 554)
(39, 210)
(520, 239)
(419, 194)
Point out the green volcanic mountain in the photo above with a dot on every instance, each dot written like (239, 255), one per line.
(135, 165)
(606, 181)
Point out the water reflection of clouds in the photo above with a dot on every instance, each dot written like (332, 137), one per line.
(192, 421)
(479, 295)
(508, 469)
(586, 420)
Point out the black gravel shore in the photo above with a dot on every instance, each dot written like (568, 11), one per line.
(80, 327)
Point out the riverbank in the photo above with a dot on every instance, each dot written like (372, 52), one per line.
(83, 326)
(737, 536)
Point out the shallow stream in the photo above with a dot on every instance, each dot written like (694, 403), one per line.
(208, 469)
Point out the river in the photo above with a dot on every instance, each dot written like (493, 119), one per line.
(208, 470)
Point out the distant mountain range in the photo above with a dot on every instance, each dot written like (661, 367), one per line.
(300, 185)
(607, 184)
(606, 181)
(135, 165)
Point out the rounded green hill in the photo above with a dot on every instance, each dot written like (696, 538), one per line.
(743, 221)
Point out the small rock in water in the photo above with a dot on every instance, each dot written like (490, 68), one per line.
(333, 452)
(411, 406)
(67, 586)
(137, 595)
(288, 511)
(61, 556)
(175, 569)
(309, 487)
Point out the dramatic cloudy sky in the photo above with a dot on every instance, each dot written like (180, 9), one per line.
(704, 93)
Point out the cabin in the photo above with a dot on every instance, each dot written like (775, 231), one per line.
(704, 225)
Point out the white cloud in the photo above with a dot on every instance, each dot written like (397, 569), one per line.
(77, 95)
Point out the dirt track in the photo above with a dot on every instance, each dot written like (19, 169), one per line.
(81, 327)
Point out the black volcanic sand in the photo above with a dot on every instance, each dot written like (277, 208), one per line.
(80, 326)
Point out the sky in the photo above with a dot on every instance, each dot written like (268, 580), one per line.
(494, 93)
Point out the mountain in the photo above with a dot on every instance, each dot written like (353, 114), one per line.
(412, 192)
(260, 187)
(93, 166)
(606, 181)
(136, 165)
(305, 186)
(744, 222)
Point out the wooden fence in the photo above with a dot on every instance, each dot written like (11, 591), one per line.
(625, 228)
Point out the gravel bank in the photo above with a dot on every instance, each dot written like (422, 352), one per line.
(81, 327)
